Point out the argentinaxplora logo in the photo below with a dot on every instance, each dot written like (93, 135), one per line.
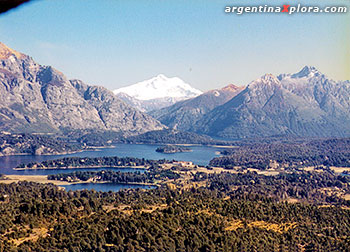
(286, 8)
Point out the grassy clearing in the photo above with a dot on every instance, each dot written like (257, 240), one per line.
(278, 228)
(31, 178)
(35, 234)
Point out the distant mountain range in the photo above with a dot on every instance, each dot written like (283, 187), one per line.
(182, 115)
(306, 104)
(36, 98)
(40, 99)
(156, 93)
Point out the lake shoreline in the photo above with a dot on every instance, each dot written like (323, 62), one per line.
(32, 178)
(87, 148)
(45, 154)
(98, 148)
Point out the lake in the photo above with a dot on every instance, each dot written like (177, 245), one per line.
(200, 155)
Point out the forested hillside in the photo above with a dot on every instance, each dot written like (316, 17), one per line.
(287, 154)
(234, 212)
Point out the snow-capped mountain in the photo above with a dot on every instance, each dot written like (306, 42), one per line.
(156, 93)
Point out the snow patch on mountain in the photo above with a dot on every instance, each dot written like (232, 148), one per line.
(159, 87)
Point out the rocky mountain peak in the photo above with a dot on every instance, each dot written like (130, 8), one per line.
(307, 71)
(37, 98)
(230, 87)
(6, 52)
(267, 80)
(304, 104)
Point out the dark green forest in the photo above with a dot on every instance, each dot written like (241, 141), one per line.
(98, 161)
(233, 212)
(170, 136)
(31, 144)
(149, 176)
(290, 154)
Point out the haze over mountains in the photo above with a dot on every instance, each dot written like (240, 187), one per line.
(156, 93)
(36, 98)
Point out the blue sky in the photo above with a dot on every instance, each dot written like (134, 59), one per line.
(115, 43)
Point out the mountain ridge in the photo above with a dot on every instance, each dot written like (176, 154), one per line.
(182, 115)
(6, 52)
(36, 98)
(306, 104)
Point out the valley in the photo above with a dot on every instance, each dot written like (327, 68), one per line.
(162, 166)
(173, 126)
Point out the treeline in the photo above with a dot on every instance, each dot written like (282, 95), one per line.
(313, 187)
(302, 186)
(30, 144)
(204, 219)
(167, 136)
(297, 154)
(76, 162)
(116, 176)
(170, 136)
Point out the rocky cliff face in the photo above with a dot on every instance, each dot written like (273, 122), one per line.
(183, 115)
(35, 98)
(303, 104)
(114, 113)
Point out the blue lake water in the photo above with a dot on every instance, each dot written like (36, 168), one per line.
(200, 155)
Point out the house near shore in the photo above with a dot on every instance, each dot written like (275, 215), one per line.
(183, 163)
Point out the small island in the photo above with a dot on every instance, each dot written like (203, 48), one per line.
(170, 149)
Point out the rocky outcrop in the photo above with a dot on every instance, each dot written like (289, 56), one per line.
(114, 113)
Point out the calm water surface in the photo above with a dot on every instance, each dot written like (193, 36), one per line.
(200, 155)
